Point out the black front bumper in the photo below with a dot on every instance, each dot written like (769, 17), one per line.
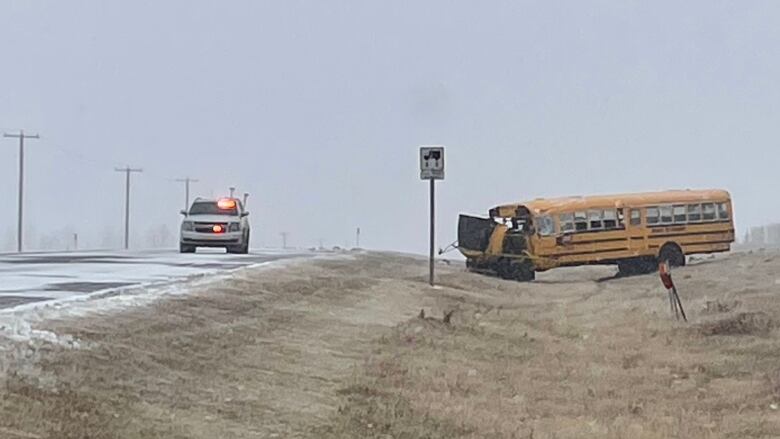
(210, 242)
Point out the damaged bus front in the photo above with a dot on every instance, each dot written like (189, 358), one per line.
(498, 244)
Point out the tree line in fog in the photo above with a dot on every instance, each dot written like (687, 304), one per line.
(68, 238)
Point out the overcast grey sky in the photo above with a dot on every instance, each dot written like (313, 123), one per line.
(316, 108)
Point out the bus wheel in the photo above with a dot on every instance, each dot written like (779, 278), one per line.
(673, 254)
(505, 269)
(524, 271)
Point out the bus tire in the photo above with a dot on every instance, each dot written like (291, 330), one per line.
(672, 253)
(524, 271)
(504, 269)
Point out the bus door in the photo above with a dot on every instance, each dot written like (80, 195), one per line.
(542, 240)
(545, 238)
(635, 228)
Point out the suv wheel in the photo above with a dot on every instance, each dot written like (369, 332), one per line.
(238, 249)
(186, 248)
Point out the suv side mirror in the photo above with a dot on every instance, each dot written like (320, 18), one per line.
(245, 213)
(183, 212)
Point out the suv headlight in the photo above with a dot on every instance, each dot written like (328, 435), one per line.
(234, 227)
(186, 226)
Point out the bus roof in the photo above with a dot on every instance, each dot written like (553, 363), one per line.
(567, 204)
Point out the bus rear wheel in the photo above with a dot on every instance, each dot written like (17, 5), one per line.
(673, 254)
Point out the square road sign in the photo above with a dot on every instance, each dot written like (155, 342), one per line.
(432, 162)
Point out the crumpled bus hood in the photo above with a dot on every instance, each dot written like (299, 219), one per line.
(474, 233)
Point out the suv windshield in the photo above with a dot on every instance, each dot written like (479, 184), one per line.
(211, 208)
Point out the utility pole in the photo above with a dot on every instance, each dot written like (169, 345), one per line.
(21, 136)
(284, 239)
(357, 238)
(127, 170)
(186, 181)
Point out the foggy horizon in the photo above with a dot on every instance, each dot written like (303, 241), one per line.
(317, 110)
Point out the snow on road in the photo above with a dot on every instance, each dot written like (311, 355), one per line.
(39, 277)
(38, 287)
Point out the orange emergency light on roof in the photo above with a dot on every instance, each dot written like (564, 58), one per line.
(226, 203)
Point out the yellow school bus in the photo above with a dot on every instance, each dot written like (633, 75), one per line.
(633, 231)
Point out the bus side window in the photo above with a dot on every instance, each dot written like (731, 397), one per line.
(708, 211)
(636, 217)
(610, 219)
(594, 219)
(694, 213)
(566, 221)
(723, 211)
(666, 214)
(581, 221)
(653, 215)
(679, 214)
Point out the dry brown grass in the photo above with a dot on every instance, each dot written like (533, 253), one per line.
(340, 348)
(256, 356)
(745, 323)
(572, 359)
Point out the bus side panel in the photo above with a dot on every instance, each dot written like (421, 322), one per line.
(693, 238)
(586, 247)
(630, 241)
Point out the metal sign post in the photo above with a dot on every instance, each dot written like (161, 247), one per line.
(674, 298)
(432, 169)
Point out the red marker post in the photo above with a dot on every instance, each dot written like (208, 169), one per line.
(674, 298)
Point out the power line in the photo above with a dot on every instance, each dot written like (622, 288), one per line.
(102, 163)
(127, 170)
(21, 136)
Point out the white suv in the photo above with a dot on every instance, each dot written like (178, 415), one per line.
(215, 223)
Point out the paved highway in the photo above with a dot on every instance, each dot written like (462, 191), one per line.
(36, 277)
